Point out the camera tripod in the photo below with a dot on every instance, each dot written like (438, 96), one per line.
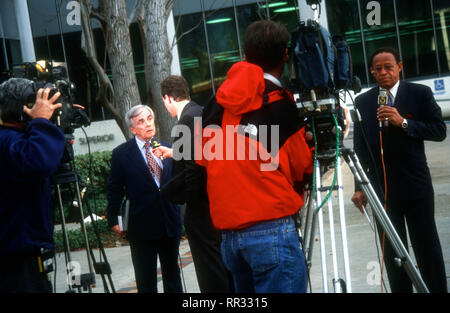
(326, 157)
(75, 280)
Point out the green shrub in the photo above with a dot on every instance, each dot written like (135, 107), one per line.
(77, 241)
(96, 168)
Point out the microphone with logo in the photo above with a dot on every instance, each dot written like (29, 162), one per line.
(154, 142)
(382, 101)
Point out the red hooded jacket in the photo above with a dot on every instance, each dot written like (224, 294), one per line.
(251, 171)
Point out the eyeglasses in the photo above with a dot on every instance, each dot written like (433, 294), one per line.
(387, 68)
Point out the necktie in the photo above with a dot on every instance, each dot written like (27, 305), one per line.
(151, 162)
(390, 99)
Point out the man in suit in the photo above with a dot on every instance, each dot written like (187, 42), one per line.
(189, 185)
(154, 226)
(401, 175)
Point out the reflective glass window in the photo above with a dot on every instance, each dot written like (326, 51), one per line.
(442, 20)
(417, 38)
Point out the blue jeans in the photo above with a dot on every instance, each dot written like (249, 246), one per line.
(265, 257)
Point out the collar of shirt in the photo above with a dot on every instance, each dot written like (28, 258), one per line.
(394, 90)
(181, 107)
(273, 79)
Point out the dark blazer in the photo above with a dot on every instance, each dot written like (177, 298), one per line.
(189, 179)
(408, 176)
(151, 215)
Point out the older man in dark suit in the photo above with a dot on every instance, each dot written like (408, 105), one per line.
(154, 226)
(394, 157)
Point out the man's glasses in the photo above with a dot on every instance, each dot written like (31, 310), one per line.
(387, 68)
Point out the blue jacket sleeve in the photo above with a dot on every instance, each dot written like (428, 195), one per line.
(37, 153)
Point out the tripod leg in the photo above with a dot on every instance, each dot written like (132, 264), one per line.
(383, 219)
(336, 280)
(83, 228)
(343, 226)
(67, 255)
(106, 268)
(323, 253)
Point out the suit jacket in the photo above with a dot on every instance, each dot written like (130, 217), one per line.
(151, 215)
(189, 181)
(407, 172)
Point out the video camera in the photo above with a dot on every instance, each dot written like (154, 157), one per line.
(322, 67)
(45, 75)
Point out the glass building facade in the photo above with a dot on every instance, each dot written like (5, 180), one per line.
(209, 36)
(418, 29)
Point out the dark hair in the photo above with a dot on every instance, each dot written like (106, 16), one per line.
(385, 50)
(265, 43)
(175, 86)
(11, 102)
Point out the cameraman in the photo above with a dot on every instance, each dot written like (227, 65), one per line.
(29, 154)
(254, 207)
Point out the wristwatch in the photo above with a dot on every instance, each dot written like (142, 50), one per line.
(405, 124)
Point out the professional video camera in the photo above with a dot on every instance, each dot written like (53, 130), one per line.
(45, 75)
(322, 68)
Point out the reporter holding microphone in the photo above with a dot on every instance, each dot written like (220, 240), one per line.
(30, 152)
(397, 117)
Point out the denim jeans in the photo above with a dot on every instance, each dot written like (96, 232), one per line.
(265, 257)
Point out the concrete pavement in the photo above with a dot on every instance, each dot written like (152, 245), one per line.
(363, 258)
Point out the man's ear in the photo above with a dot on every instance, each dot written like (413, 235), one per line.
(400, 66)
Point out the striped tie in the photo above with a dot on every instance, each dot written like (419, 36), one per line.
(151, 162)
(390, 99)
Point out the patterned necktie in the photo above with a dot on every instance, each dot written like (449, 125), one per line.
(151, 162)
(390, 99)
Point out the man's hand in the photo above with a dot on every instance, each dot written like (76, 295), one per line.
(116, 229)
(43, 107)
(360, 200)
(163, 152)
(390, 114)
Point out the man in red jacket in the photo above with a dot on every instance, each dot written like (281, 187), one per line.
(250, 182)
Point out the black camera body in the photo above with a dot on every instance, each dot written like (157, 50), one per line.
(68, 117)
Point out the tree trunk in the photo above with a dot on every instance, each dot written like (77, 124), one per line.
(126, 92)
(159, 57)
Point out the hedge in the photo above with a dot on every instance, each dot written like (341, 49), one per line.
(96, 168)
(77, 241)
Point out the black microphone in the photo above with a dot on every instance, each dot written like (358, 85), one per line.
(155, 143)
(382, 101)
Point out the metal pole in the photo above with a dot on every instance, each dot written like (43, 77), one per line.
(363, 43)
(435, 38)
(383, 219)
(211, 72)
(323, 253)
(343, 226)
(5, 52)
(67, 255)
(337, 285)
(237, 30)
(394, 3)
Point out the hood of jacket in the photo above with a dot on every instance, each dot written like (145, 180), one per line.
(243, 89)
